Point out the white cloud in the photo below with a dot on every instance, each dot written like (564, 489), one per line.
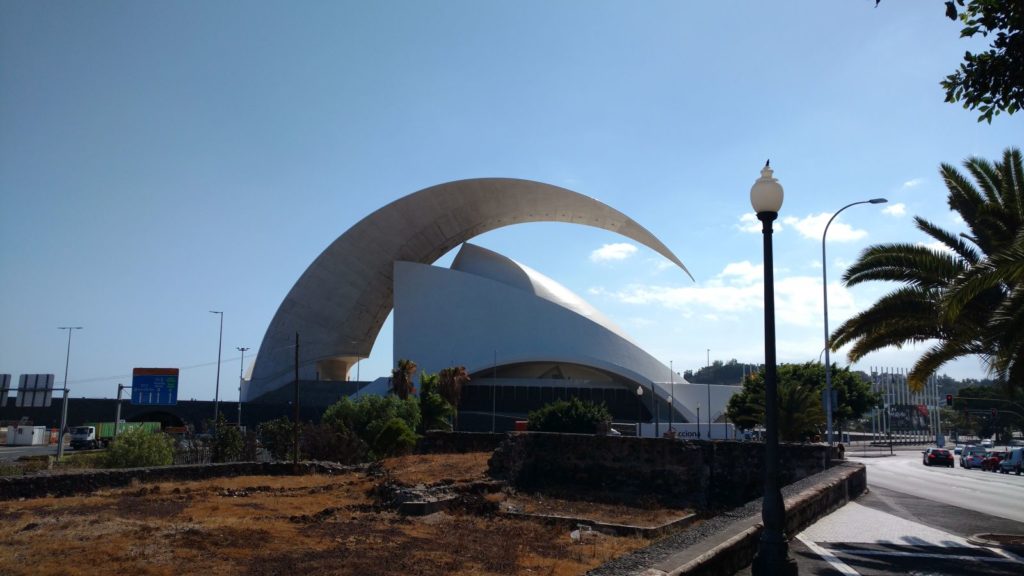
(898, 209)
(739, 289)
(609, 252)
(913, 183)
(812, 227)
(749, 223)
(936, 246)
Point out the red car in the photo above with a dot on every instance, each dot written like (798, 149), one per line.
(992, 460)
(937, 457)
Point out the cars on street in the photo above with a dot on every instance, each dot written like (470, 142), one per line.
(971, 456)
(937, 457)
(992, 460)
(1013, 463)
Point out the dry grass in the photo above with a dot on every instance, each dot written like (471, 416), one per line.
(285, 525)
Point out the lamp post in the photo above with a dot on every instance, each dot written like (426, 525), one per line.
(220, 341)
(639, 406)
(64, 408)
(824, 293)
(241, 376)
(772, 551)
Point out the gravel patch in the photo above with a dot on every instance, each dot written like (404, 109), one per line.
(640, 560)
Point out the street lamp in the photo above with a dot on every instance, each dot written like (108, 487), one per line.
(772, 551)
(64, 409)
(824, 293)
(241, 376)
(639, 406)
(220, 341)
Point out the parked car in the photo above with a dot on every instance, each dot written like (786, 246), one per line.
(1013, 463)
(959, 448)
(937, 457)
(971, 456)
(987, 443)
(992, 460)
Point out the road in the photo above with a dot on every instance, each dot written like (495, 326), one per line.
(10, 453)
(917, 520)
(990, 493)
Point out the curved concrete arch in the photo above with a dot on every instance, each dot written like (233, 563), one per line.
(341, 301)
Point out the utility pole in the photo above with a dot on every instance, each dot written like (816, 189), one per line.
(64, 409)
(295, 427)
(241, 376)
(220, 342)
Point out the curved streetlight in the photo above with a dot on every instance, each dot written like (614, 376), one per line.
(772, 549)
(824, 292)
(64, 408)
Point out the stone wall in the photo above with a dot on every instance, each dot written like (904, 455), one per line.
(694, 473)
(68, 484)
(440, 442)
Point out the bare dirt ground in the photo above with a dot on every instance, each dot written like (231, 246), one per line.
(299, 525)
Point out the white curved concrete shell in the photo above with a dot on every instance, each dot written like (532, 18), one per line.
(341, 301)
(490, 309)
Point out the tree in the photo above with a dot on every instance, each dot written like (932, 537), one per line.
(991, 81)
(967, 297)
(370, 415)
(450, 383)
(435, 412)
(573, 416)
(137, 448)
(402, 379)
(800, 400)
(277, 437)
(227, 441)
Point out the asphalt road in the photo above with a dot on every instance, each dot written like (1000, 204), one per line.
(10, 453)
(991, 493)
(916, 520)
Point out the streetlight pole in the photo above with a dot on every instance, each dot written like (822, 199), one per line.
(639, 407)
(709, 394)
(241, 376)
(773, 551)
(64, 408)
(824, 294)
(220, 342)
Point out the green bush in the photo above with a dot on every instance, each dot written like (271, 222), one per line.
(574, 415)
(436, 413)
(394, 439)
(277, 438)
(140, 448)
(329, 442)
(227, 442)
(370, 415)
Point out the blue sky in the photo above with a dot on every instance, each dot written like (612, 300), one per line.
(159, 160)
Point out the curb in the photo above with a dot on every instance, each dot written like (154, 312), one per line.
(733, 549)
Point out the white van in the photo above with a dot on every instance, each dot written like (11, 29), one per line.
(1014, 463)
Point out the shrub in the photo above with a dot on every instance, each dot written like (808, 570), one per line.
(394, 439)
(277, 437)
(436, 413)
(369, 415)
(574, 415)
(329, 442)
(227, 442)
(140, 448)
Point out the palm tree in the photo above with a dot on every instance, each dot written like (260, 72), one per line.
(401, 379)
(965, 298)
(450, 383)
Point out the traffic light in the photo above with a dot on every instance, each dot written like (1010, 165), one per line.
(949, 399)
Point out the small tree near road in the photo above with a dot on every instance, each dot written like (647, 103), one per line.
(573, 416)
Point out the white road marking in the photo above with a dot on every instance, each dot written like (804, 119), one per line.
(925, 555)
(829, 557)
